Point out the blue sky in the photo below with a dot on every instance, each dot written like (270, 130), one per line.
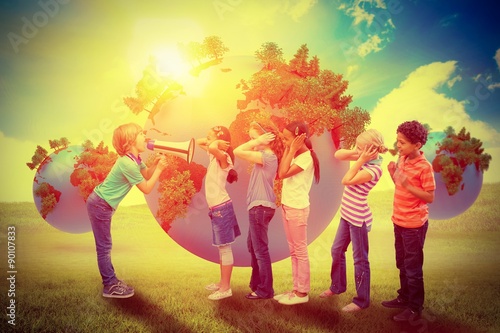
(435, 61)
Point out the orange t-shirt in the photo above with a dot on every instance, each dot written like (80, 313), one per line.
(408, 210)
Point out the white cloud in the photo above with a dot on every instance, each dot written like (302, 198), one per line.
(300, 8)
(454, 80)
(380, 4)
(351, 69)
(360, 15)
(371, 45)
(494, 86)
(371, 19)
(417, 98)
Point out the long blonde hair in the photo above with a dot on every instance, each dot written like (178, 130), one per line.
(124, 137)
(276, 145)
(374, 138)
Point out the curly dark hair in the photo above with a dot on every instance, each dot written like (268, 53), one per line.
(414, 131)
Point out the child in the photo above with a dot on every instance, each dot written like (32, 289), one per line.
(415, 185)
(225, 227)
(264, 149)
(356, 217)
(128, 171)
(297, 168)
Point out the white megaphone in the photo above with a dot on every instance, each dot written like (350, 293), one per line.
(182, 149)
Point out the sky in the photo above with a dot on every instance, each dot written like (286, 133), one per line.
(66, 64)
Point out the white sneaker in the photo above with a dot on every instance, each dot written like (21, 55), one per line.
(293, 299)
(217, 295)
(280, 296)
(212, 287)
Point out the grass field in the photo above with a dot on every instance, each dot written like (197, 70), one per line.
(57, 287)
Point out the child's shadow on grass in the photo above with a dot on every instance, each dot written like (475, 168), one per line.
(269, 315)
(152, 316)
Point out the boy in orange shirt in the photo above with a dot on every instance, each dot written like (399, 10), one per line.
(415, 185)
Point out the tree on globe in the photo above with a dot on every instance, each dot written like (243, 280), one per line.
(299, 89)
(38, 157)
(48, 195)
(91, 167)
(455, 153)
(235, 91)
(178, 183)
(58, 202)
(459, 162)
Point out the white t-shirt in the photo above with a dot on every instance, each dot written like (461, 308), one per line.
(215, 181)
(295, 191)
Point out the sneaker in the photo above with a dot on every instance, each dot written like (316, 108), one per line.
(212, 287)
(351, 307)
(117, 291)
(217, 295)
(395, 303)
(293, 299)
(280, 296)
(327, 293)
(123, 284)
(406, 315)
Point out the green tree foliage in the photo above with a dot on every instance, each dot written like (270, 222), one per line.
(356, 118)
(59, 144)
(40, 154)
(151, 91)
(49, 198)
(270, 55)
(179, 182)
(213, 47)
(38, 157)
(175, 197)
(193, 51)
(300, 90)
(92, 167)
(455, 153)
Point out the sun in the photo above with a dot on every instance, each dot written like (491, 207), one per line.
(170, 63)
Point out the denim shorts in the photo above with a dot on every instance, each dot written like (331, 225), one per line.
(225, 227)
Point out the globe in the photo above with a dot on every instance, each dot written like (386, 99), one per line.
(70, 213)
(208, 100)
(446, 206)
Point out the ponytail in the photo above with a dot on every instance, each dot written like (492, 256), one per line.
(232, 175)
(308, 144)
(222, 133)
(297, 128)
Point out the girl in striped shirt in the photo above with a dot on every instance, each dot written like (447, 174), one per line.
(356, 217)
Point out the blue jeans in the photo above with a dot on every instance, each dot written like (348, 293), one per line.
(100, 213)
(261, 281)
(225, 227)
(409, 245)
(346, 233)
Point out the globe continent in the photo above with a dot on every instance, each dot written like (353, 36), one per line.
(70, 213)
(210, 100)
(447, 206)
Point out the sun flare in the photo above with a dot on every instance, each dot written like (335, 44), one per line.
(170, 63)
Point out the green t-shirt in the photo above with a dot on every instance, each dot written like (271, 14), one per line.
(124, 175)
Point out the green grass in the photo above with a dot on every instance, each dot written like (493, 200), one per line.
(58, 285)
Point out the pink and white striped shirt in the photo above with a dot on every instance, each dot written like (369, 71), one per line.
(354, 206)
